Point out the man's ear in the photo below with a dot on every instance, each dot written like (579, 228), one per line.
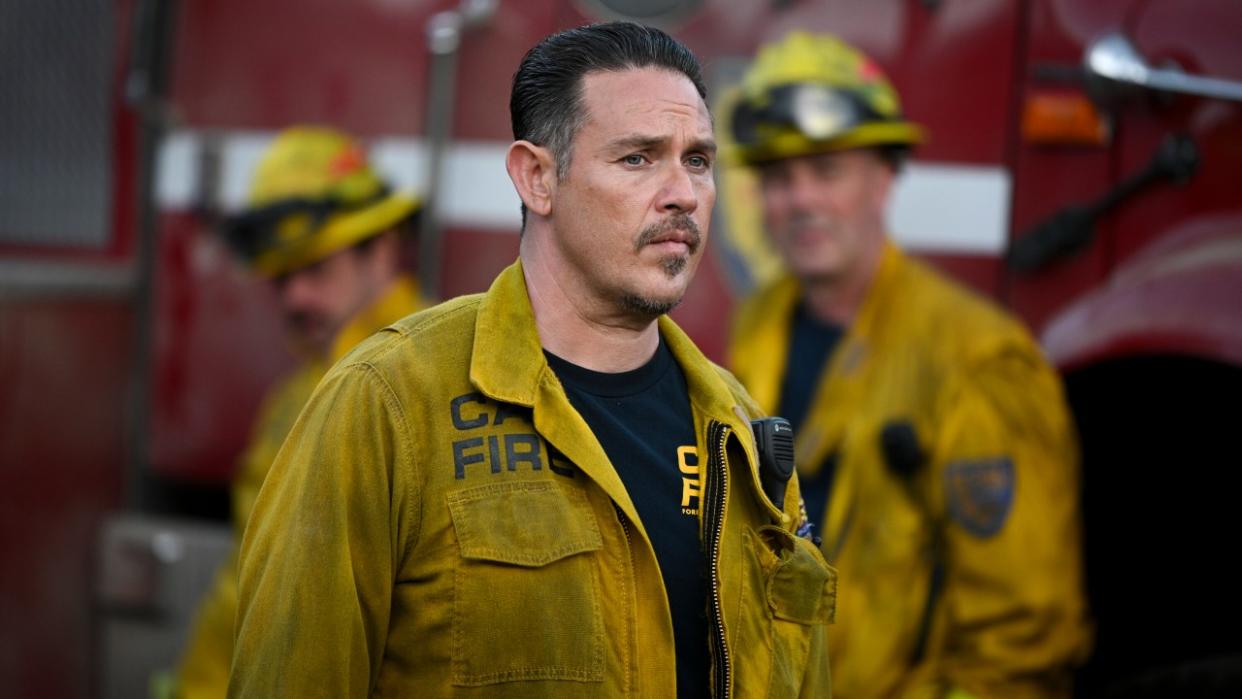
(533, 171)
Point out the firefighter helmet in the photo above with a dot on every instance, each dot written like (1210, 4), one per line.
(313, 193)
(812, 93)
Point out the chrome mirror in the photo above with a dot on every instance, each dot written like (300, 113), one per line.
(1112, 58)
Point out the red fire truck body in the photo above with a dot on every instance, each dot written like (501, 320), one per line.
(1096, 198)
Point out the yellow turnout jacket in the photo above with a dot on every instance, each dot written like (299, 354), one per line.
(204, 669)
(442, 523)
(963, 577)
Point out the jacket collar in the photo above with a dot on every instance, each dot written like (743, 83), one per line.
(507, 364)
(766, 342)
(399, 300)
(708, 391)
(507, 361)
(879, 292)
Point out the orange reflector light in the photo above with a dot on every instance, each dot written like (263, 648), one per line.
(1063, 118)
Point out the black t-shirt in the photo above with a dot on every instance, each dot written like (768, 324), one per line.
(810, 348)
(643, 420)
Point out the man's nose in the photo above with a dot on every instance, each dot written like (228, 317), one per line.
(679, 193)
(803, 189)
(295, 291)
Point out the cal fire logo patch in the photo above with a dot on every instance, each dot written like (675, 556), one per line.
(980, 494)
(691, 479)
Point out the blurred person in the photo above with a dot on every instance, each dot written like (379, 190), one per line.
(323, 228)
(937, 458)
(544, 490)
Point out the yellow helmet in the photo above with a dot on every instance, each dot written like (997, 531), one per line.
(312, 194)
(813, 93)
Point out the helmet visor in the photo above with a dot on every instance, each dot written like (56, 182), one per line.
(287, 222)
(818, 112)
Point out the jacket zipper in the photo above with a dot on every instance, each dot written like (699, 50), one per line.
(714, 492)
(629, 549)
(625, 526)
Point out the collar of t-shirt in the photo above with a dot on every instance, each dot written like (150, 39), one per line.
(625, 383)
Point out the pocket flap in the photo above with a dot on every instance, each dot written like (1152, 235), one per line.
(527, 524)
(802, 587)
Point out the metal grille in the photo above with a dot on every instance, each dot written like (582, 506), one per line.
(56, 61)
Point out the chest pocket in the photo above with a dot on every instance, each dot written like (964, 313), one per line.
(526, 593)
(801, 586)
(800, 591)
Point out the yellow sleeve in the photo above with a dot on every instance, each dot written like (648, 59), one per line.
(204, 669)
(276, 417)
(1005, 477)
(203, 672)
(320, 551)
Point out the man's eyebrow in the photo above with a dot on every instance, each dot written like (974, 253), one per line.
(635, 142)
(705, 145)
(640, 142)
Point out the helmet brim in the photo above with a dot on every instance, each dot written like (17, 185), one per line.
(338, 232)
(791, 143)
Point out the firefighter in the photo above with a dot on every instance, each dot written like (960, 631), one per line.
(324, 229)
(937, 458)
(544, 490)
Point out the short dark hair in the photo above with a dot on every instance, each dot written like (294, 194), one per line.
(546, 103)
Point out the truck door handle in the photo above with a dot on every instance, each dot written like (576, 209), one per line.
(1071, 228)
(1114, 58)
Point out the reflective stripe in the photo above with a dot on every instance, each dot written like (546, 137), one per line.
(33, 278)
(476, 193)
(952, 208)
(936, 207)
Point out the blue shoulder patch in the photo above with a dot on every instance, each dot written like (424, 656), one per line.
(980, 494)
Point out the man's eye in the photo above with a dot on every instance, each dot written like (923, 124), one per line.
(634, 159)
(698, 162)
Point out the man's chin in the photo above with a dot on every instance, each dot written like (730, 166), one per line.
(658, 290)
(647, 308)
(308, 342)
(674, 266)
(650, 305)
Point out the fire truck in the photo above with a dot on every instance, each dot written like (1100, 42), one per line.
(1081, 170)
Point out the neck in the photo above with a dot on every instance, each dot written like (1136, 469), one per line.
(837, 299)
(576, 326)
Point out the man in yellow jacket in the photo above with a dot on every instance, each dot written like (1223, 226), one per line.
(323, 228)
(938, 460)
(545, 490)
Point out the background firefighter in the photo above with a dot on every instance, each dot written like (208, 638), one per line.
(937, 456)
(324, 229)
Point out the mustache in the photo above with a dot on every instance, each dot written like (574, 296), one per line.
(676, 222)
(810, 221)
(800, 223)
